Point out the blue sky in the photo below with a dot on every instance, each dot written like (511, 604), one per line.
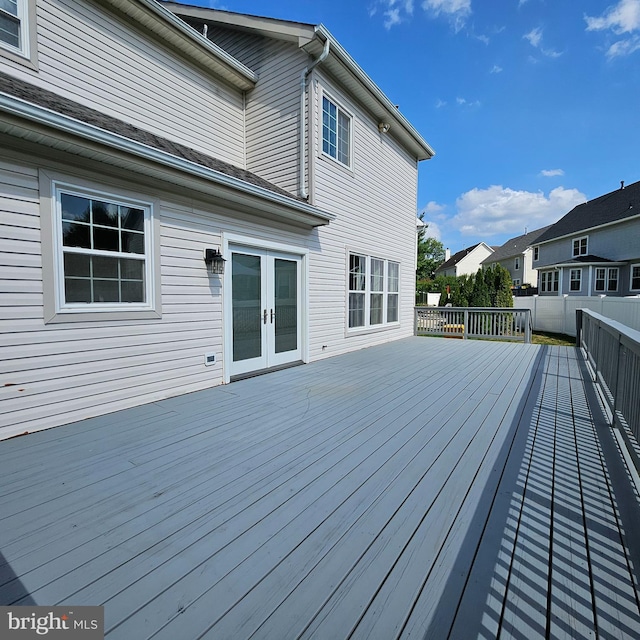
(532, 106)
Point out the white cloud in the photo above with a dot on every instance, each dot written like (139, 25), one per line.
(394, 11)
(550, 173)
(621, 18)
(624, 47)
(432, 230)
(500, 210)
(496, 69)
(535, 40)
(467, 103)
(441, 103)
(456, 10)
(534, 37)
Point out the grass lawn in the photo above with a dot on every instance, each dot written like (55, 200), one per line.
(557, 339)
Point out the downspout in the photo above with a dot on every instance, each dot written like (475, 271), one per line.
(304, 77)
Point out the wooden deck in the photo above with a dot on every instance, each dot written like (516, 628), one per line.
(426, 488)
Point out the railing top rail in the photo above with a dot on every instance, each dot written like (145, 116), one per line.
(484, 309)
(612, 326)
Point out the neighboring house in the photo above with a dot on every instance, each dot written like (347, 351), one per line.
(132, 147)
(594, 250)
(517, 257)
(465, 262)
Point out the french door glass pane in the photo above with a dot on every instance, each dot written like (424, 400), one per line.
(247, 306)
(286, 305)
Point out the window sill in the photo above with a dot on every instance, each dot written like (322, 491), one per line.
(358, 331)
(102, 316)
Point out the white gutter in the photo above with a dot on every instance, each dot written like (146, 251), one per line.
(341, 53)
(304, 77)
(42, 116)
(191, 35)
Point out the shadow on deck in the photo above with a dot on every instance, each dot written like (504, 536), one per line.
(424, 488)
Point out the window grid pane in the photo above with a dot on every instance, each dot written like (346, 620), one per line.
(575, 279)
(612, 284)
(336, 132)
(92, 225)
(600, 279)
(635, 277)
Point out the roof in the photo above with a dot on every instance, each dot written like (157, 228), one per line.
(174, 33)
(56, 105)
(312, 38)
(616, 206)
(456, 257)
(515, 246)
(582, 260)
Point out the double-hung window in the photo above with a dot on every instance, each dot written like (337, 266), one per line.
(635, 277)
(516, 264)
(549, 281)
(103, 252)
(607, 279)
(575, 279)
(580, 246)
(14, 26)
(373, 291)
(336, 132)
(536, 253)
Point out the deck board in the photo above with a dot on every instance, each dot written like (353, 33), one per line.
(423, 488)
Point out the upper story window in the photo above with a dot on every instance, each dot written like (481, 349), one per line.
(14, 23)
(635, 277)
(336, 131)
(607, 279)
(536, 253)
(580, 246)
(103, 252)
(516, 264)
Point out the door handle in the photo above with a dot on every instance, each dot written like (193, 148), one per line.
(273, 315)
(264, 317)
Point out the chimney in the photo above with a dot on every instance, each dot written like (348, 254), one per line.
(447, 254)
(622, 184)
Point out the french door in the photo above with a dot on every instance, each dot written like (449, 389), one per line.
(266, 311)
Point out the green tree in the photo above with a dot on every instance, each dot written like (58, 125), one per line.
(480, 296)
(504, 296)
(430, 255)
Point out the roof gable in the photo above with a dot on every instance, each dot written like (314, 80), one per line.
(461, 255)
(616, 206)
(312, 39)
(515, 246)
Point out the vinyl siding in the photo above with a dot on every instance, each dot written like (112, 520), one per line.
(615, 242)
(375, 208)
(91, 56)
(273, 107)
(56, 373)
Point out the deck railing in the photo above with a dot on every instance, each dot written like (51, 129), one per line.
(613, 353)
(485, 323)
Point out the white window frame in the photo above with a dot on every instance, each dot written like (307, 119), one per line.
(385, 285)
(576, 243)
(536, 254)
(56, 309)
(339, 110)
(606, 279)
(24, 53)
(516, 282)
(516, 263)
(631, 268)
(572, 279)
(549, 281)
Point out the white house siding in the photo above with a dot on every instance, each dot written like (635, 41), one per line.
(56, 373)
(91, 56)
(470, 264)
(378, 194)
(273, 106)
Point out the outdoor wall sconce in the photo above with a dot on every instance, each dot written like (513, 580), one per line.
(214, 261)
(384, 127)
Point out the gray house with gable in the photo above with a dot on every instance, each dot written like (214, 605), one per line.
(594, 250)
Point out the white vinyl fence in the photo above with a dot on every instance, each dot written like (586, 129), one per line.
(558, 314)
